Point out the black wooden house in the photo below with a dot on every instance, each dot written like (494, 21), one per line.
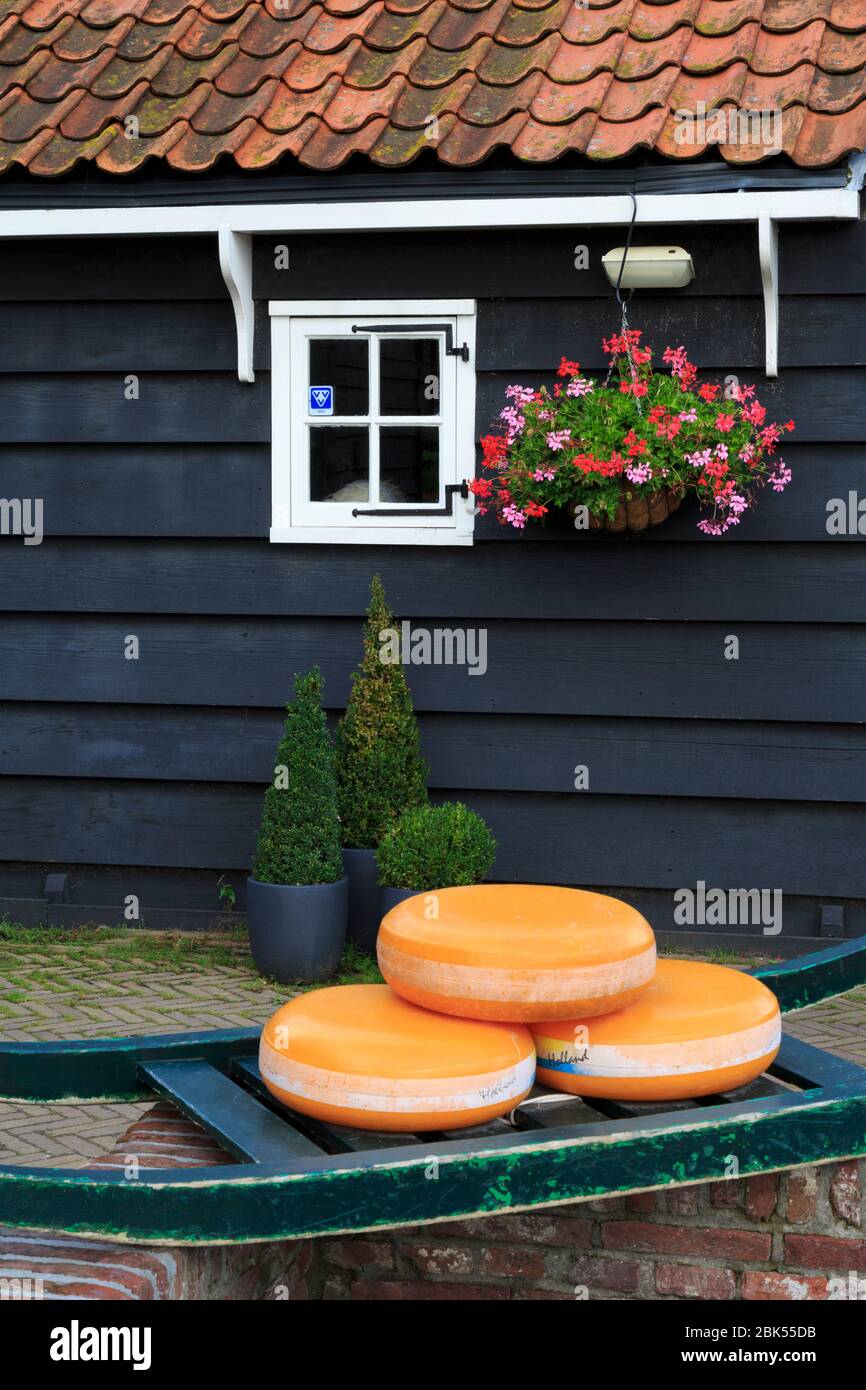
(197, 199)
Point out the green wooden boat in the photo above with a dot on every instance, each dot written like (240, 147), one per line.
(295, 1176)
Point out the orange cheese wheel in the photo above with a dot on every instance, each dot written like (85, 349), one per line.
(360, 1055)
(516, 952)
(698, 1029)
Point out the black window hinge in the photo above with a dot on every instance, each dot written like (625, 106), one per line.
(450, 489)
(450, 349)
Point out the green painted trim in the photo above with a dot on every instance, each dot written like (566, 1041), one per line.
(449, 1181)
(107, 1069)
(809, 979)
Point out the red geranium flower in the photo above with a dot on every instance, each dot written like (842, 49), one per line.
(567, 368)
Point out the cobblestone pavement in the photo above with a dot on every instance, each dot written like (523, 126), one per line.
(43, 998)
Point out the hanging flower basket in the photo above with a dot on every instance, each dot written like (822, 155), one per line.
(633, 513)
(623, 454)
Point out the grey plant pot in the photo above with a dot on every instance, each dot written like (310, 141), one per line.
(365, 897)
(297, 931)
(392, 896)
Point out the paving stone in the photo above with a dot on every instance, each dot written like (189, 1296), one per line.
(138, 997)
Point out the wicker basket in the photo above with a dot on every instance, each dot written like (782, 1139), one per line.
(637, 513)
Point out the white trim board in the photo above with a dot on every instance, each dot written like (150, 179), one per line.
(797, 205)
(236, 225)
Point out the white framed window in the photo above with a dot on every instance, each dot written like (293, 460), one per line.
(373, 421)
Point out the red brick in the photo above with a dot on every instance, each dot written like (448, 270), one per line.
(846, 1197)
(355, 1254)
(695, 1281)
(440, 1259)
(507, 1263)
(525, 1228)
(762, 1194)
(607, 1206)
(719, 1243)
(683, 1201)
(802, 1196)
(794, 1288)
(402, 1291)
(726, 1194)
(641, 1201)
(596, 1272)
(543, 1295)
(825, 1252)
(144, 1274)
(305, 1258)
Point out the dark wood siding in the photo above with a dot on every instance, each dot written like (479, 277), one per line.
(602, 651)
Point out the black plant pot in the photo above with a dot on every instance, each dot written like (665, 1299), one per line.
(392, 896)
(365, 897)
(297, 931)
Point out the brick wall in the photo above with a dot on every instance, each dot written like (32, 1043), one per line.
(794, 1235)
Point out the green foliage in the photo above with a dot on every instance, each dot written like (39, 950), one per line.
(591, 444)
(436, 847)
(380, 771)
(228, 896)
(299, 839)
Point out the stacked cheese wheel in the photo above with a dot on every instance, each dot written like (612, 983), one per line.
(479, 980)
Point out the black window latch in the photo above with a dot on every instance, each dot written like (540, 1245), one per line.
(450, 489)
(450, 349)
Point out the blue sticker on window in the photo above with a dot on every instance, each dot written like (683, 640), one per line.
(321, 400)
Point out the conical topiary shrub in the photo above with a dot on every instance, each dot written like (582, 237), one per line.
(380, 771)
(299, 838)
(297, 895)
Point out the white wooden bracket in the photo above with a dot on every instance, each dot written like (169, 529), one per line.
(236, 264)
(768, 254)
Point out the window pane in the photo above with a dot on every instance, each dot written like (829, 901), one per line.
(409, 376)
(409, 463)
(339, 463)
(342, 364)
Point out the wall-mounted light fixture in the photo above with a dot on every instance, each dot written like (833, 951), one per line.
(650, 267)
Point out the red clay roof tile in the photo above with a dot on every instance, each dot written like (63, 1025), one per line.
(44, 14)
(17, 42)
(835, 91)
(244, 73)
(289, 109)
(560, 103)
(652, 21)
(368, 68)
(176, 75)
(475, 102)
(842, 52)
(90, 114)
(75, 42)
(571, 62)
(157, 115)
(321, 80)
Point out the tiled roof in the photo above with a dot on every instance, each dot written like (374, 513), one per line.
(320, 80)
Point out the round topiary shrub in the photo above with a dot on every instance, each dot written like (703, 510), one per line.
(299, 839)
(380, 771)
(436, 847)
